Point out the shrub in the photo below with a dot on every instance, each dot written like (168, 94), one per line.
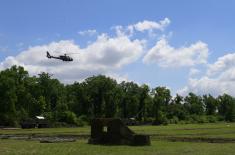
(48, 116)
(80, 122)
(149, 120)
(174, 120)
(212, 119)
(70, 117)
(84, 119)
(160, 119)
(67, 117)
(202, 119)
(8, 120)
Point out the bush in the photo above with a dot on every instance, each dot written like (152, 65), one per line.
(70, 117)
(220, 118)
(212, 119)
(182, 122)
(48, 116)
(8, 120)
(202, 119)
(174, 120)
(67, 117)
(160, 119)
(189, 119)
(148, 120)
(22, 115)
(80, 122)
(84, 119)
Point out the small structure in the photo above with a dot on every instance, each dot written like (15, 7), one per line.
(41, 122)
(113, 131)
(37, 122)
(28, 124)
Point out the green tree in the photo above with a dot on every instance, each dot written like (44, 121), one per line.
(52, 90)
(143, 96)
(210, 104)
(194, 104)
(101, 98)
(226, 107)
(77, 98)
(177, 109)
(8, 97)
(161, 99)
(130, 99)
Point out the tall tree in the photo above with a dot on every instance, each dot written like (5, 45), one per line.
(130, 99)
(162, 97)
(194, 104)
(210, 104)
(77, 98)
(143, 95)
(176, 108)
(52, 90)
(100, 90)
(226, 107)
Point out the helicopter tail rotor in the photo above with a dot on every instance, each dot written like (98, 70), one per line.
(48, 55)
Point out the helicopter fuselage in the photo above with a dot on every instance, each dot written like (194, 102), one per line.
(61, 57)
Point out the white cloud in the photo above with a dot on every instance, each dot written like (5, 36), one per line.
(224, 62)
(219, 78)
(123, 31)
(105, 55)
(167, 56)
(88, 32)
(146, 25)
(114, 52)
(194, 72)
(150, 25)
(118, 78)
(202, 86)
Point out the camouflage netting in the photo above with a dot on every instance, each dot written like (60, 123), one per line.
(113, 131)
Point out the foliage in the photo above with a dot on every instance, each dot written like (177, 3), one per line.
(160, 119)
(23, 96)
(194, 104)
(227, 107)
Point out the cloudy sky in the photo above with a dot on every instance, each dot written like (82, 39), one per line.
(184, 45)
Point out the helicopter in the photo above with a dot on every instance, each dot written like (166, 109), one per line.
(61, 57)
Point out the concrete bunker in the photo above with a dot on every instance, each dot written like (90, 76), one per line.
(113, 131)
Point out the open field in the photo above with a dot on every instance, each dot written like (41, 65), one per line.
(198, 139)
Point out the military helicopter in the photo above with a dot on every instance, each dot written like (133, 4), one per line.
(61, 57)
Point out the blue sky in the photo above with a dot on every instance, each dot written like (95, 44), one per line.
(29, 26)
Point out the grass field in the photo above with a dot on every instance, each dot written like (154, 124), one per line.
(169, 140)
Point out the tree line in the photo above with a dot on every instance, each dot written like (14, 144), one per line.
(23, 96)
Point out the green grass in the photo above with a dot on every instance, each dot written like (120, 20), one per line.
(161, 147)
(49, 131)
(82, 148)
(215, 130)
